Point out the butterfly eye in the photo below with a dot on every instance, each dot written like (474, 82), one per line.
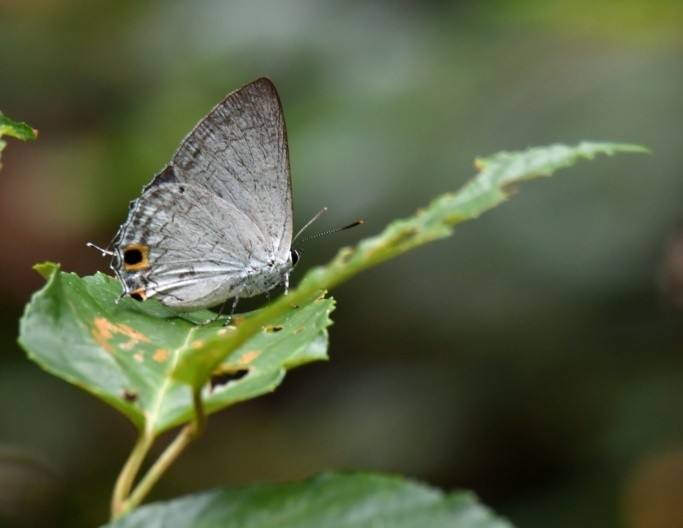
(295, 257)
(135, 257)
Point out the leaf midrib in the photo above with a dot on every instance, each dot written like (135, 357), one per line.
(151, 418)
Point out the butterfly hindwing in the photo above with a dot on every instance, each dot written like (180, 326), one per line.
(239, 152)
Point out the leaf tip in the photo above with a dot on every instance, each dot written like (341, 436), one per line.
(46, 269)
(590, 148)
(636, 149)
(17, 129)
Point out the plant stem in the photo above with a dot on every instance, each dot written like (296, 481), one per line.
(126, 477)
(187, 434)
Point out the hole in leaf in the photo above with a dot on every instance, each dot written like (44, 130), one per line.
(222, 378)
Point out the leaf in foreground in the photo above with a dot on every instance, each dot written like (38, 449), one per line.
(327, 501)
(124, 353)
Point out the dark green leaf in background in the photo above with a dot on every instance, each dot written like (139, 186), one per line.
(327, 501)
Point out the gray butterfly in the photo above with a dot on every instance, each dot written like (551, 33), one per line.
(216, 223)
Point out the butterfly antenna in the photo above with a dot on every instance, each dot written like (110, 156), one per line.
(104, 252)
(335, 230)
(315, 217)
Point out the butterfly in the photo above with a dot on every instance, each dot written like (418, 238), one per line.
(216, 222)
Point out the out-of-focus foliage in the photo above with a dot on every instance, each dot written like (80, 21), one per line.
(328, 501)
(11, 128)
(535, 357)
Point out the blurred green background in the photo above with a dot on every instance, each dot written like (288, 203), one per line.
(535, 357)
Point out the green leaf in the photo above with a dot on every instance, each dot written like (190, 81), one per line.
(124, 353)
(489, 188)
(138, 356)
(327, 501)
(15, 129)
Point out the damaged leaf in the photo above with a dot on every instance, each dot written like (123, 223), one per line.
(124, 353)
(488, 188)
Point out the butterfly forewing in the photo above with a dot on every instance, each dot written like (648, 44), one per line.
(239, 151)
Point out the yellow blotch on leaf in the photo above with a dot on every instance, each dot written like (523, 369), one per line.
(249, 357)
(160, 355)
(104, 331)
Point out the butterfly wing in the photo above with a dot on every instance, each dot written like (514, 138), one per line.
(217, 221)
(187, 247)
(239, 152)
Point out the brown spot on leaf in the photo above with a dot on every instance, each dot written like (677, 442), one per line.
(249, 357)
(160, 355)
(130, 395)
(271, 329)
(404, 236)
(345, 255)
(104, 332)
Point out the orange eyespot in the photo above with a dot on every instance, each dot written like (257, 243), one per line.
(135, 257)
(139, 294)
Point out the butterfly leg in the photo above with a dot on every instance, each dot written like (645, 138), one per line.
(121, 296)
(221, 310)
(286, 281)
(232, 310)
(218, 314)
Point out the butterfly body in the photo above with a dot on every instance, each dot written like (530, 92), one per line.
(216, 222)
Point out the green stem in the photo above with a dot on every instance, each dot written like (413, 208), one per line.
(199, 414)
(186, 435)
(126, 477)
